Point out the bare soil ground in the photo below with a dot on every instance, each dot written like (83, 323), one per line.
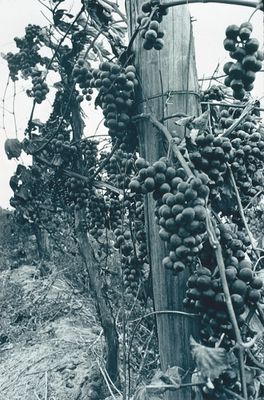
(49, 337)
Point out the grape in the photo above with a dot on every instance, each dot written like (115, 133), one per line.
(244, 49)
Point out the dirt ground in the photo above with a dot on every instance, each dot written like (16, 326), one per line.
(50, 340)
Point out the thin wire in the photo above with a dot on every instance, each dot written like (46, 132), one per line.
(13, 111)
(3, 102)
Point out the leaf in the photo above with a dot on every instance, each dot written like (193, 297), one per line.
(210, 361)
(13, 148)
(162, 381)
(22, 193)
(201, 122)
(37, 122)
(174, 376)
(184, 121)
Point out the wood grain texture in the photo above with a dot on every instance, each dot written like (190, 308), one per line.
(166, 71)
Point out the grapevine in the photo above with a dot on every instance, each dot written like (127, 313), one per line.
(101, 186)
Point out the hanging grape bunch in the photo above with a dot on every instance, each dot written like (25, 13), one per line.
(213, 93)
(119, 168)
(211, 155)
(62, 147)
(89, 154)
(78, 192)
(205, 292)
(40, 88)
(245, 50)
(96, 213)
(28, 56)
(180, 209)
(248, 159)
(83, 76)
(150, 25)
(116, 87)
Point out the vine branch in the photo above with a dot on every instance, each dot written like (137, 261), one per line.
(245, 3)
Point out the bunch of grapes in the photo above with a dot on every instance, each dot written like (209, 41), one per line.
(59, 191)
(96, 214)
(27, 57)
(211, 155)
(180, 209)
(32, 32)
(229, 115)
(40, 88)
(150, 25)
(248, 159)
(245, 50)
(82, 73)
(115, 207)
(119, 168)
(62, 147)
(116, 87)
(89, 154)
(205, 292)
(131, 268)
(78, 193)
(213, 93)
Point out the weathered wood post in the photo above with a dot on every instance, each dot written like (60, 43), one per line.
(168, 79)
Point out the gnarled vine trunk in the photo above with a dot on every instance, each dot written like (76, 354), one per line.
(96, 281)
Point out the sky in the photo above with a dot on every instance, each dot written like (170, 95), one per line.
(210, 22)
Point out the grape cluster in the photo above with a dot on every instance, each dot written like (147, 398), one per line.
(154, 178)
(28, 56)
(116, 87)
(115, 207)
(229, 116)
(78, 193)
(40, 88)
(82, 73)
(213, 93)
(32, 32)
(150, 25)
(245, 50)
(211, 155)
(205, 292)
(248, 159)
(89, 154)
(180, 208)
(61, 146)
(181, 217)
(119, 168)
(96, 214)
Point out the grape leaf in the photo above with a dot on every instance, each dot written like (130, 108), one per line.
(201, 122)
(13, 148)
(185, 121)
(210, 361)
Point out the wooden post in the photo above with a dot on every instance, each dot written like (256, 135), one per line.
(168, 79)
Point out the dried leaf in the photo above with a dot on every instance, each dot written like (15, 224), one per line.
(184, 121)
(37, 122)
(210, 361)
(174, 376)
(201, 122)
(13, 148)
